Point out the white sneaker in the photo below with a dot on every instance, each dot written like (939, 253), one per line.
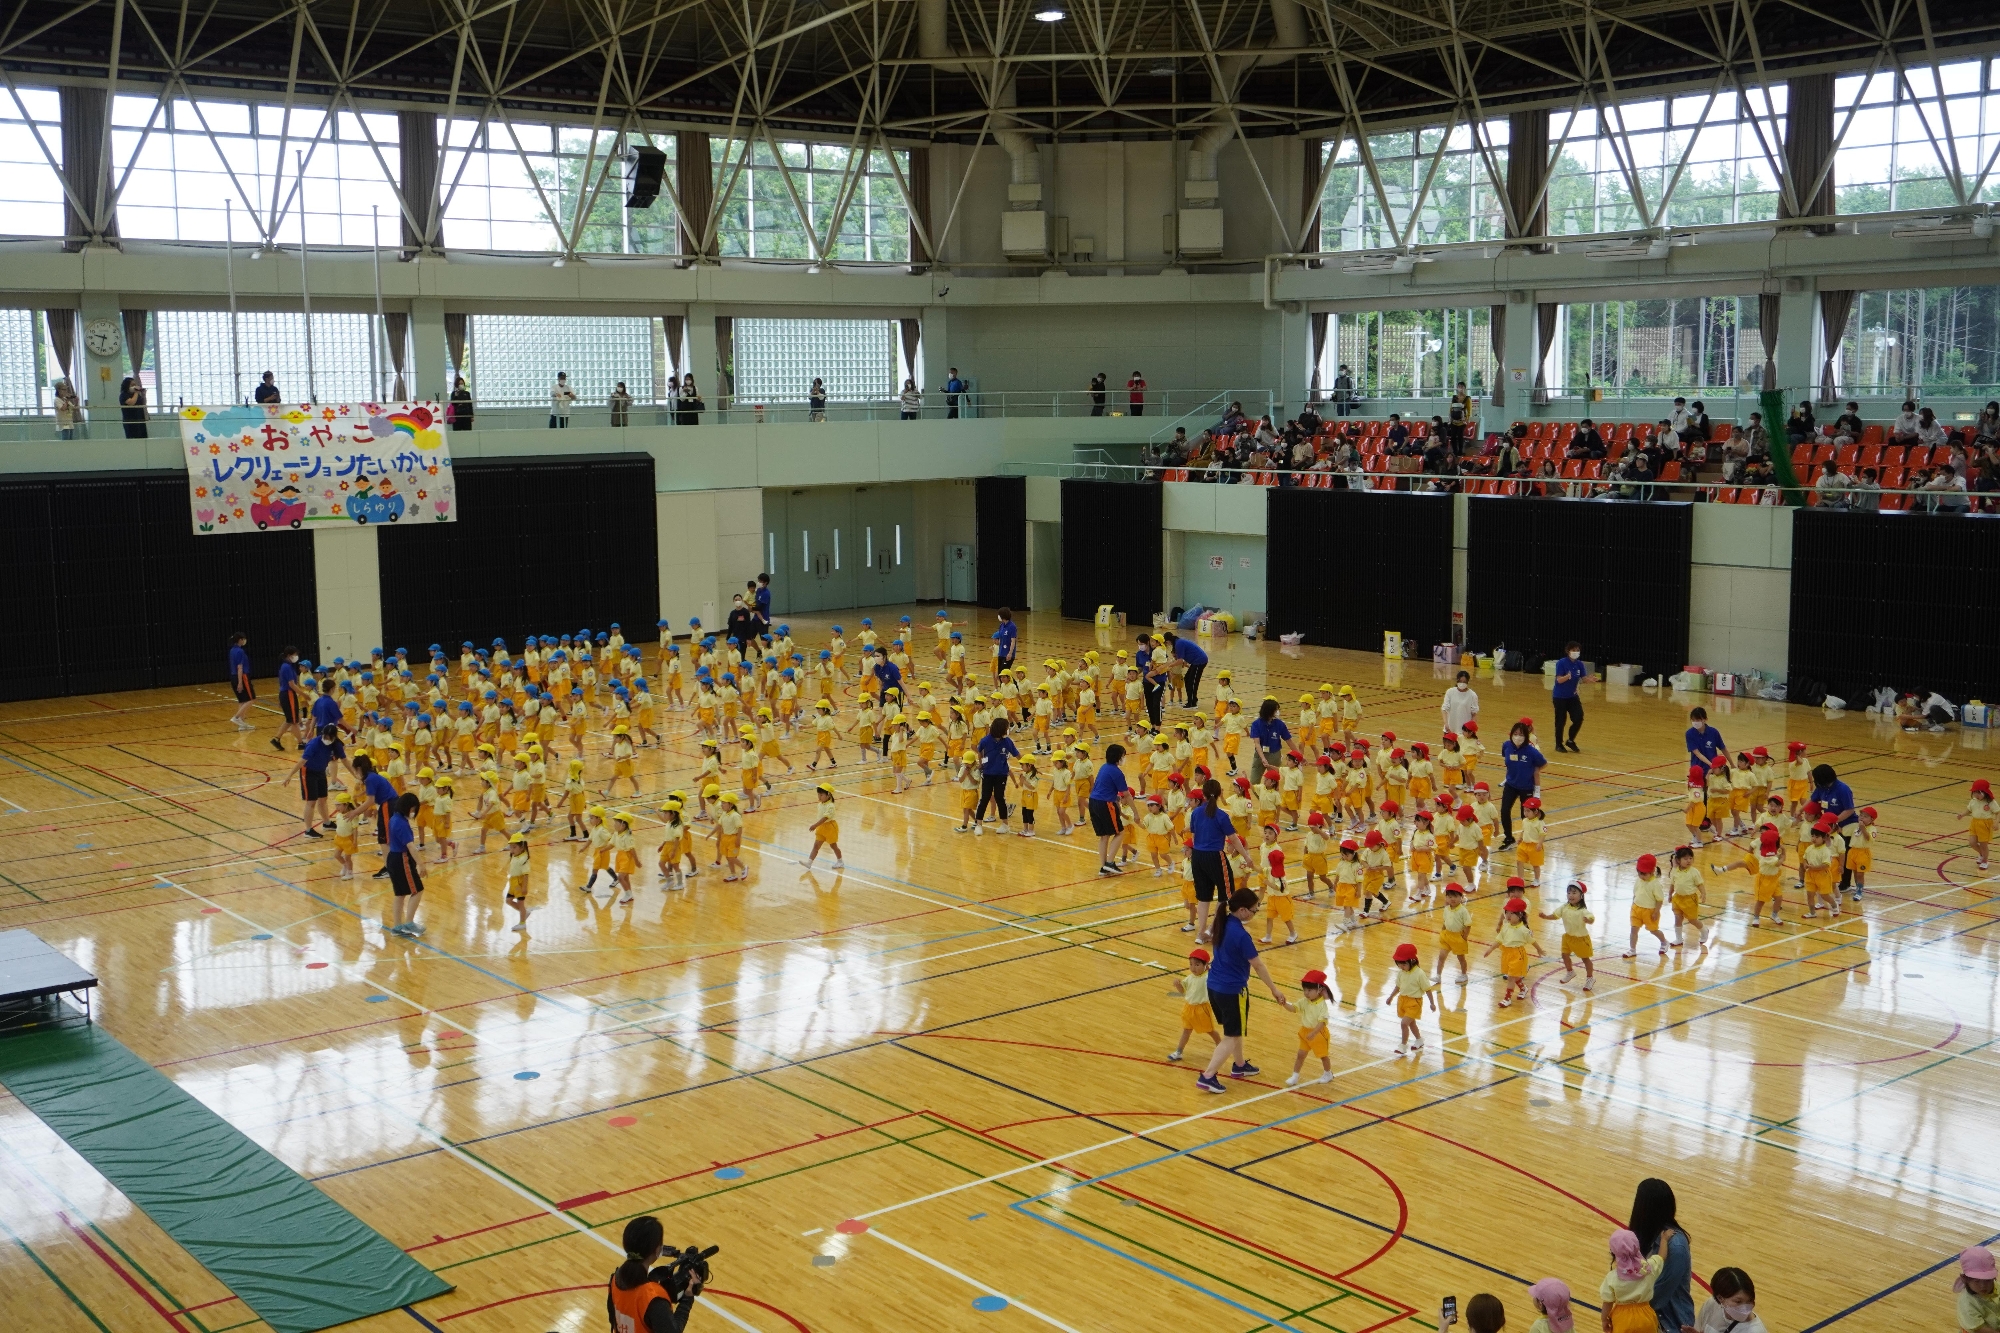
(1292, 1081)
(839, 865)
(1175, 1055)
(979, 830)
(1326, 1076)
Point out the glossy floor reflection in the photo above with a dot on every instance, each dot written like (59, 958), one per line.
(896, 1093)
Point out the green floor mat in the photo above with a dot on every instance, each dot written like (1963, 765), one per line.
(299, 1260)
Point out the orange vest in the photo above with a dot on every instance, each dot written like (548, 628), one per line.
(629, 1307)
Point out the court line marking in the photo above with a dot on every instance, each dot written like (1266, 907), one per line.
(970, 1281)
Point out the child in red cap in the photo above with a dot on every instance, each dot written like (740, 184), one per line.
(1798, 776)
(1514, 941)
(1648, 891)
(1454, 931)
(1860, 837)
(1277, 896)
(1688, 891)
(1469, 843)
(1422, 773)
(1821, 871)
(1423, 858)
(1768, 865)
(1347, 883)
(1316, 844)
(1374, 874)
(1411, 986)
(1530, 851)
(1471, 747)
(1192, 991)
(1694, 810)
(1979, 812)
(1313, 1011)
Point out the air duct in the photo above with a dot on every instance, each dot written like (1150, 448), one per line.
(934, 45)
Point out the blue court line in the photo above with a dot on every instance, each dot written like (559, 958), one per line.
(50, 777)
(411, 1311)
(1867, 1301)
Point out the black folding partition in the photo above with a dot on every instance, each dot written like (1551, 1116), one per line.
(1002, 512)
(1111, 549)
(1902, 600)
(1343, 566)
(106, 573)
(1613, 576)
(542, 545)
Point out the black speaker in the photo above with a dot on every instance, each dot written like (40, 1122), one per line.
(645, 169)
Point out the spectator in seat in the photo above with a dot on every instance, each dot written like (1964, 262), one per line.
(1440, 431)
(1642, 473)
(1831, 486)
(1310, 421)
(1697, 429)
(1757, 472)
(1399, 434)
(1988, 429)
(1946, 492)
(1985, 486)
(1849, 423)
(1866, 497)
(1929, 433)
(1232, 421)
(1756, 439)
(1548, 482)
(1588, 442)
(1801, 426)
(1903, 430)
(1735, 454)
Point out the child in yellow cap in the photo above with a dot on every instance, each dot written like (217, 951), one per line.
(825, 829)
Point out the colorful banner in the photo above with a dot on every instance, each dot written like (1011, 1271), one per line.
(273, 468)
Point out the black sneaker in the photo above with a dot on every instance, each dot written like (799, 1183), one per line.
(1505, 843)
(314, 833)
(1106, 868)
(278, 745)
(1244, 1070)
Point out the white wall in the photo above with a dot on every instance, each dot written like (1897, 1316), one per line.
(1065, 336)
(347, 572)
(1739, 595)
(710, 544)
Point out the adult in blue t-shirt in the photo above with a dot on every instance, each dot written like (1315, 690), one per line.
(1154, 663)
(1229, 987)
(1213, 833)
(1269, 735)
(1524, 764)
(1110, 806)
(994, 752)
(1188, 651)
(1570, 673)
(239, 679)
(1704, 743)
(401, 867)
(314, 756)
(1835, 798)
(376, 788)
(1004, 640)
(288, 698)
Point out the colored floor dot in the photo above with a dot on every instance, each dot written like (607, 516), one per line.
(377, 999)
(1538, 1101)
(730, 1173)
(210, 911)
(623, 1121)
(975, 1217)
(989, 1303)
(822, 1261)
(260, 937)
(851, 1227)
(121, 865)
(314, 967)
(450, 1035)
(525, 1075)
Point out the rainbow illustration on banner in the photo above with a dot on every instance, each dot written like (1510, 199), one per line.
(279, 468)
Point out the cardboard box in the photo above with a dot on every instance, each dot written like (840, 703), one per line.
(1623, 673)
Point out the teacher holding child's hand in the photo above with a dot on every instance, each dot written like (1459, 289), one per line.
(1523, 777)
(1229, 987)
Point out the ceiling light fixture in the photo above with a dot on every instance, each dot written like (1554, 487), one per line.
(1051, 15)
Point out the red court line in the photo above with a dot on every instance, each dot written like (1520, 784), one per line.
(119, 1269)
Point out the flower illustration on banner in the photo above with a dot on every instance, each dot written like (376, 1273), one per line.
(423, 495)
(215, 448)
(443, 508)
(336, 509)
(206, 518)
(237, 512)
(200, 492)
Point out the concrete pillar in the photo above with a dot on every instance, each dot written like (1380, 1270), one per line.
(938, 361)
(347, 570)
(1294, 375)
(97, 377)
(430, 358)
(1798, 341)
(1518, 374)
(1111, 245)
(701, 354)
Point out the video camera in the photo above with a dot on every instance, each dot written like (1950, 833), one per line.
(688, 1269)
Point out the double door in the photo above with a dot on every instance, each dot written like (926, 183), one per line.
(843, 546)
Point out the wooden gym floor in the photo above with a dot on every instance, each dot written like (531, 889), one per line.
(903, 1094)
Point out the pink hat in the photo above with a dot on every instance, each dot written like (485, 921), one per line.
(1625, 1254)
(1975, 1263)
(1553, 1295)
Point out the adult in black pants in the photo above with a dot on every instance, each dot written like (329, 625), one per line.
(404, 879)
(1110, 806)
(994, 751)
(1524, 765)
(1214, 836)
(1154, 664)
(1836, 801)
(1196, 662)
(1569, 708)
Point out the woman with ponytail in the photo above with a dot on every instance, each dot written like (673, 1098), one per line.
(1229, 986)
(638, 1300)
(1212, 834)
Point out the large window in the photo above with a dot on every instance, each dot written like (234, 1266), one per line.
(1663, 347)
(778, 359)
(515, 358)
(771, 212)
(200, 160)
(1910, 137)
(21, 362)
(1705, 151)
(1936, 338)
(1458, 199)
(196, 358)
(1412, 353)
(30, 193)
(508, 185)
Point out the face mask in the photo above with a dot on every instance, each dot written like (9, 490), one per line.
(1574, 656)
(1739, 1311)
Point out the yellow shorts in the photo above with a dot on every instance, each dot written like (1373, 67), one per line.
(1797, 789)
(730, 844)
(1739, 801)
(1452, 942)
(1316, 863)
(1187, 892)
(575, 802)
(1822, 881)
(1860, 858)
(1197, 1018)
(1980, 829)
(1529, 854)
(1409, 1006)
(517, 888)
(1646, 917)
(1770, 887)
(1688, 906)
(344, 844)
(1278, 907)
(1313, 1041)
(1513, 963)
(1420, 789)
(967, 800)
(1578, 946)
(1420, 863)
(827, 832)
(1718, 809)
(1159, 843)
(625, 863)
(1347, 893)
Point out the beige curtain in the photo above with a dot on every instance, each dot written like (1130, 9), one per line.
(1497, 334)
(1528, 172)
(416, 137)
(695, 172)
(725, 360)
(913, 333)
(396, 324)
(1319, 323)
(1545, 334)
(920, 204)
(1834, 308)
(1767, 333)
(454, 342)
(1808, 145)
(676, 327)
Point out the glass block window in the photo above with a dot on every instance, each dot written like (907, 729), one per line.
(777, 359)
(30, 194)
(515, 357)
(20, 362)
(194, 364)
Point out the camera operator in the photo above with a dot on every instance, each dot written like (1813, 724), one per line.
(645, 1299)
